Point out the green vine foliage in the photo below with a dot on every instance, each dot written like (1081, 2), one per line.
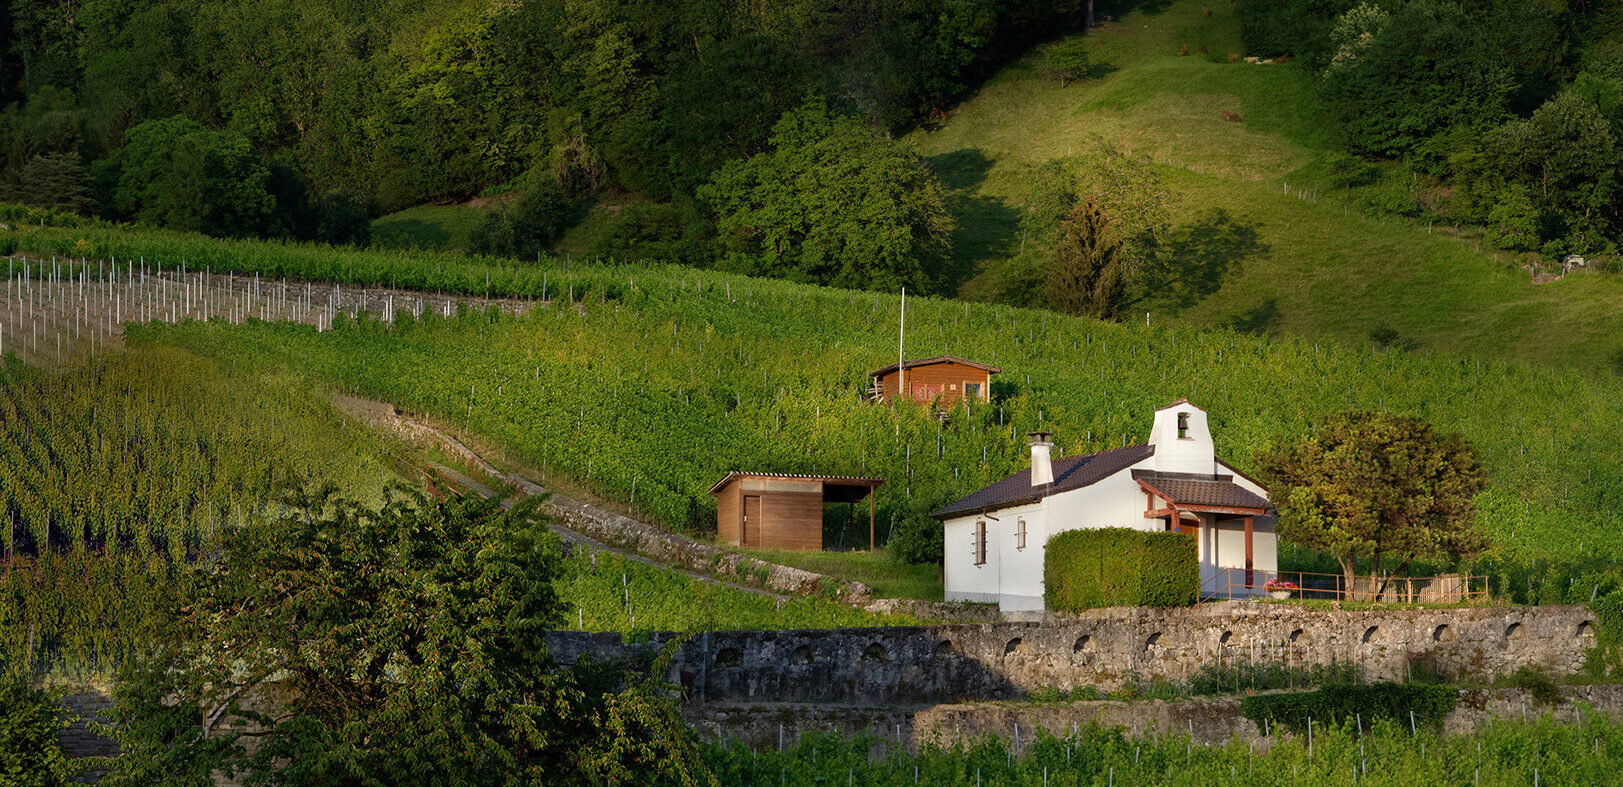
(1336, 704)
(121, 468)
(647, 384)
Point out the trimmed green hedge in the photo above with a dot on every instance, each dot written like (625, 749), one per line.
(1334, 704)
(1116, 566)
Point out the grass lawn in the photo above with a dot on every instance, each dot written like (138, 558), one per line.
(888, 577)
(432, 227)
(1266, 260)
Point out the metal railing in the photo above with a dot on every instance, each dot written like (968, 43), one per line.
(1237, 583)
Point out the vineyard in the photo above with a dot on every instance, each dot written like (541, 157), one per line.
(1504, 753)
(52, 309)
(648, 384)
(121, 466)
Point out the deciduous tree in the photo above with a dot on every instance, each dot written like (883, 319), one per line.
(1377, 486)
(397, 645)
(834, 203)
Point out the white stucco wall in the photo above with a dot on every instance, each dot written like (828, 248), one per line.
(1192, 453)
(1014, 578)
(1011, 576)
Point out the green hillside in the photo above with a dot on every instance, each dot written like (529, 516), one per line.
(1317, 261)
(655, 382)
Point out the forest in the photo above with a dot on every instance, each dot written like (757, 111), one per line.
(301, 120)
(306, 121)
(1513, 112)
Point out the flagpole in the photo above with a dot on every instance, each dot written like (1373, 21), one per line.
(901, 342)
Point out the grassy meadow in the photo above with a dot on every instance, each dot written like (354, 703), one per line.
(1254, 214)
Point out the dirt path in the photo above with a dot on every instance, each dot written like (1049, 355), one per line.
(587, 542)
(608, 529)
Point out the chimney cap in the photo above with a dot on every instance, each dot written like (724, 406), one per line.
(1040, 438)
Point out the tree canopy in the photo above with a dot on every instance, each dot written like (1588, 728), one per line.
(1376, 486)
(836, 203)
(396, 645)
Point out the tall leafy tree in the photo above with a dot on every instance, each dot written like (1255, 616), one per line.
(836, 203)
(1377, 486)
(177, 173)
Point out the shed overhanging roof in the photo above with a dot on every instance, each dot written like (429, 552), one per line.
(1071, 472)
(882, 371)
(842, 487)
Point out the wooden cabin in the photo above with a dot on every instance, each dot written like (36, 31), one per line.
(781, 510)
(943, 377)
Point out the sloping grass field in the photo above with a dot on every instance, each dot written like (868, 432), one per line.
(1315, 260)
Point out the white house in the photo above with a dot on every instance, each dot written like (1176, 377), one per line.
(995, 537)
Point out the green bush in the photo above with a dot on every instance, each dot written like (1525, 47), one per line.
(1234, 676)
(918, 540)
(1338, 703)
(31, 723)
(1116, 566)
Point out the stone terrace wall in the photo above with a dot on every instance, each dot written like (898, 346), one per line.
(1209, 720)
(934, 664)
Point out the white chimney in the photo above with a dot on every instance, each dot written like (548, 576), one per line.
(1042, 463)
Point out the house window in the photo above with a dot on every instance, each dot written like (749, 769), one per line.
(972, 390)
(1020, 534)
(980, 543)
(1183, 426)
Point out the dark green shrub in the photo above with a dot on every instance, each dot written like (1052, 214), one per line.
(918, 540)
(1236, 676)
(529, 226)
(1116, 566)
(1536, 681)
(31, 723)
(1335, 704)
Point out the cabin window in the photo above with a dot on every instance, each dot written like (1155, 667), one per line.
(1183, 426)
(980, 543)
(972, 390)
(1020, 533)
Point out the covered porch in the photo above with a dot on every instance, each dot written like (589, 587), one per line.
(1216, 511)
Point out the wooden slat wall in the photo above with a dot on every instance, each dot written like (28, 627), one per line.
(792, 520)
(942, 374)
(727, 514)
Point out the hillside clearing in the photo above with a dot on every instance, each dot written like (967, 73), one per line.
(1279, 250)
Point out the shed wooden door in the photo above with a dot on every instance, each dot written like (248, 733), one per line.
(751, 535)
(925, 393)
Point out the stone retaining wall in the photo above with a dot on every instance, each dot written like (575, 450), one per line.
(1209, 720)
(934, 664)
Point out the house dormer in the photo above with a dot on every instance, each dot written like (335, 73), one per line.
(1182, 440)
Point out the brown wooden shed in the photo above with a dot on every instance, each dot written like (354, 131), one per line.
(951, 379)
(783, 510)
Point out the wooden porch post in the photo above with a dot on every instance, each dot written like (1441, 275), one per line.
(1250, 577)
